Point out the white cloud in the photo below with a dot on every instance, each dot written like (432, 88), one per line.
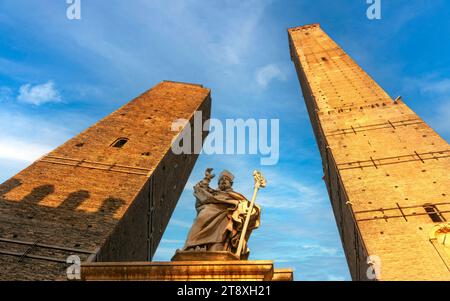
(436, 91)
(25, 138)
(436, 87)
(14, 149)
(39, 94)
(239, 31)
(269, 73)
(319, 250)
(211, 36)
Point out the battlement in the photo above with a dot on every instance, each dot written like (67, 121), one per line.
(304, 27)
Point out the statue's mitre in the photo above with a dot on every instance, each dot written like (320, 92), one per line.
(226, 173)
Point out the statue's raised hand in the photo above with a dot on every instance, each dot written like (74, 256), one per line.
(208, 173)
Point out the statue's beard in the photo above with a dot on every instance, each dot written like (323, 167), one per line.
(224, 187)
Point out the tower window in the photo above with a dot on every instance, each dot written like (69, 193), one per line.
(434, 213)
(119, 143)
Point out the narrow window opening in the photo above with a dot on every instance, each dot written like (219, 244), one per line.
(119, 143)
(434, 213)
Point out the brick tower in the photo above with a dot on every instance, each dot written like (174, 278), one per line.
(386, 171)
(105, 195)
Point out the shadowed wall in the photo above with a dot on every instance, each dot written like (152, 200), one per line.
(105, 195)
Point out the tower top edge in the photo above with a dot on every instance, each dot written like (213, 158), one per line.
(184, 83)
(304, 27)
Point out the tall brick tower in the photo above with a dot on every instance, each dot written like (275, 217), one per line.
(386, 171)
(105, 195)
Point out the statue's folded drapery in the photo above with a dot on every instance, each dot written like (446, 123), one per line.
(220, 218)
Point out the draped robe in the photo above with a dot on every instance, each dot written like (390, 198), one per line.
(219, 221)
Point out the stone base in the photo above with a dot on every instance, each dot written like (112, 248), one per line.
(204, 256)
(238, 270)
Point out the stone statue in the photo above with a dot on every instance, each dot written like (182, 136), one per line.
(221, 215)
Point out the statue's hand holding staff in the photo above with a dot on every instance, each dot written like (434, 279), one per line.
(260, 182)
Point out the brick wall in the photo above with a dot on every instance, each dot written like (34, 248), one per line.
(381, 162)
(97, 201)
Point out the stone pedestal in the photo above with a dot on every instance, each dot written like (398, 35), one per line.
(204, 256)
(238, 270)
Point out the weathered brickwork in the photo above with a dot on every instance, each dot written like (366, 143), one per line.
(92, 199)
(384, 167)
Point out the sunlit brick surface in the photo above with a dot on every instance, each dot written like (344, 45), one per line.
(97, 201)
(381, 164)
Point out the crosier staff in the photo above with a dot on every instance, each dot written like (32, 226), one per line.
(260, 181)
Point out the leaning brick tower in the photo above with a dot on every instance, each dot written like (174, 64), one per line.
(105, 195)
(386, 171)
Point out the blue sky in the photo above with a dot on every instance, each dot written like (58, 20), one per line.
(58, 76)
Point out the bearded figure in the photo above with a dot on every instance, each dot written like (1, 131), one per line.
(221, 214)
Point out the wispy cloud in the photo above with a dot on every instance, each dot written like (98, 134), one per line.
(239, 31)
(26, 138)
(321, 250)
(215, 38)
(434, 90)
(288, 191)
(14, 149)
(39, 94)
(268, 73)
(440, 87)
